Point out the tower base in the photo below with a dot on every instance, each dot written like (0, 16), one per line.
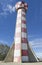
(31, 54)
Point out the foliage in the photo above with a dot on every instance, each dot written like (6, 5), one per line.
(3, 51)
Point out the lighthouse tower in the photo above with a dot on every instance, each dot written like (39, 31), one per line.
(21, 45)
(21, 50)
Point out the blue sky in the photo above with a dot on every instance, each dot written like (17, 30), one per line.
(34, 23)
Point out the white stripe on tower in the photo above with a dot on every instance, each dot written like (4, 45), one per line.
(23, 25)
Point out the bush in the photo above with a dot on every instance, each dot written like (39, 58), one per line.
(3, 51)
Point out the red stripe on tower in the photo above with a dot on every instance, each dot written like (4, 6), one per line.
(23, 21)
(24, 52)
(23, 29)
(24, 40)
(23, 15)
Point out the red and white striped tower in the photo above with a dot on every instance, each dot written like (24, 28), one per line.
(21, 45)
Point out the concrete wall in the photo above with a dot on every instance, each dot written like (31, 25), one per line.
(10, 55)
(32, 55)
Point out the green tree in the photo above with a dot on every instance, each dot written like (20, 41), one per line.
(3, 51)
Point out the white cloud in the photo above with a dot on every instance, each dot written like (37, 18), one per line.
(9, 8)
(3, 13)
(37, 46)
(13, 9)
(3, 42)
(30, 36)
(39, 55)
(36, 42)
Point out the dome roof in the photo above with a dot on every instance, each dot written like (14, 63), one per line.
(20, 5)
